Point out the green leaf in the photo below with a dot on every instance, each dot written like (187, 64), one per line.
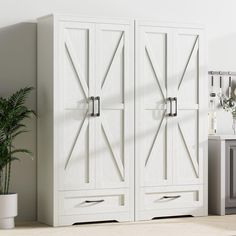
(21, 151)
(18, 133)
(19, 97)
(15, 159)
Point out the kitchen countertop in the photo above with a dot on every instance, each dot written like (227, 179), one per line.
(222, 137)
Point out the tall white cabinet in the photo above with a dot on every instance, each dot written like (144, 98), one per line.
(112, 146)
(171, 121)
(85, 120)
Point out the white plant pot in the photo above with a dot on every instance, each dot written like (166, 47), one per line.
(8, 210)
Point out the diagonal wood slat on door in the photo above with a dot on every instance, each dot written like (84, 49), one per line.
(117, 51)
(192, 53)
(160, 127)
(114, 148)
(154, 66)
(76, 65)
(191, 156)
(80, 134)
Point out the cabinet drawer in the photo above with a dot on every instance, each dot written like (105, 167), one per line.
(172, 197)
(93, 201)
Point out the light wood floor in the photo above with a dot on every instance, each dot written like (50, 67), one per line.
(212, 225)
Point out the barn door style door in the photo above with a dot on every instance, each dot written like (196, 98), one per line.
(77, 86)
(189, 91)
(115, 98)
(98, 106)
(170, 115)
(153, 123)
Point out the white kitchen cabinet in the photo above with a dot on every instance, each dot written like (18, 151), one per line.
(85, 120)
(171, 121)
(111, 147)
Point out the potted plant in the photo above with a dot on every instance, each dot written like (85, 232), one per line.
(12, 114)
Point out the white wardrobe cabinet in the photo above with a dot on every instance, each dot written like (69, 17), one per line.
(111, 147)
(86, 120)
(171, 121)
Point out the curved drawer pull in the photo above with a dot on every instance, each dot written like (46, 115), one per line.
(171, 197)
(94, 201)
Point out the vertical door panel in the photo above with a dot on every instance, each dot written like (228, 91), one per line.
(76, 85)
(188, 155)
(153, 133)
(114, 86)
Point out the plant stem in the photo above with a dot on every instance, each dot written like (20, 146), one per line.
(9, 167)
(1, 190)
(5, 179)
(9, 176)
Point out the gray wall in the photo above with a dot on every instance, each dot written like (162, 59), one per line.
(17, 70)
(18, 55)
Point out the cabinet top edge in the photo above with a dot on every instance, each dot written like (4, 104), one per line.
(170, 24)
(88, 18)
(222, 137)
(124, 20)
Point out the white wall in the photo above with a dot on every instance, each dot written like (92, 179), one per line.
(218, 16)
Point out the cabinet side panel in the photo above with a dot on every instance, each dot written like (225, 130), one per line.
(216, 153)
(45, 120)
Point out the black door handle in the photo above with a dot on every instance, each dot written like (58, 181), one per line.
(92, 99)
(176, 106)
(94, 201)
(99, 106)
(170, 100)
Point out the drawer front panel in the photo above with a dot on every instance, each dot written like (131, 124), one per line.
(91, 202)
(172, 197)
